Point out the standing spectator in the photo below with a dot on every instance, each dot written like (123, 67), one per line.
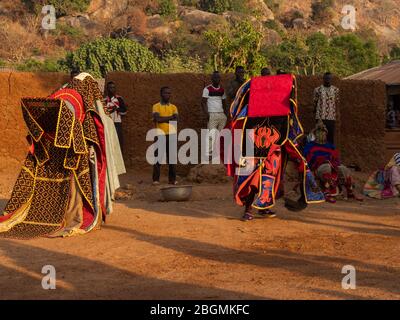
(326, 99)
(165, 116)
(116, 108)
(236, 83)
(214, 105)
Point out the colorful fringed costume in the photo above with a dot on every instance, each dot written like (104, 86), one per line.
(324, 160)
(333, 176)
(64, 183)
(385, 183)
(268, 106)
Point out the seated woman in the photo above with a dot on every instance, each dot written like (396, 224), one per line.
(385, 183)
(324, 161)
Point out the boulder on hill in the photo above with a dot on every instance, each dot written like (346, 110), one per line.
(101, 10)
(198, 20)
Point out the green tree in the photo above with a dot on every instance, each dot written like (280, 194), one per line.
(238, 45)
(215, 6)
(319, 53)
(291, 55)
(178, 62)
(167, 8)
(113, 55)
(351, 54)
(220, 6)
(343, 55)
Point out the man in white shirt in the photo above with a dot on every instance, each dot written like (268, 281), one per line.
(214, 105)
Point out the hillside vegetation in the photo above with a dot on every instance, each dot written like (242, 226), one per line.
(305, 36)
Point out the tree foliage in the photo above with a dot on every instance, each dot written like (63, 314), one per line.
(178, 62)
(220, 6)
(167, 8)
(239, 45)
(344, 55)
(113, 55)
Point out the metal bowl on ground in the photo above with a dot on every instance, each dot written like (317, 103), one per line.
(176, 193)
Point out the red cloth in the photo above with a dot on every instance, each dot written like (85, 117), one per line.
(270, 96)
(74, 98)
(232, 126)
(294, 155)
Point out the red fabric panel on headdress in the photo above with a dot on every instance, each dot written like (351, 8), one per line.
(74, 98)
(270, 96)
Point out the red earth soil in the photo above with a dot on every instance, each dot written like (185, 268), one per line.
(201, 250)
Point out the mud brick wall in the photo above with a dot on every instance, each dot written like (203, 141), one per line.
(360, 127)
(14, 86)
(142, 91)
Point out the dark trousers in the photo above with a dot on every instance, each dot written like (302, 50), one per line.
(171, 167)
(118, 128)
(330, 125)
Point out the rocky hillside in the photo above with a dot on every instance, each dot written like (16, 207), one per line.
(179, 24)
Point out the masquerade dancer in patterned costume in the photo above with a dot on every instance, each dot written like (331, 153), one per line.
(69, 176)
(268, 107)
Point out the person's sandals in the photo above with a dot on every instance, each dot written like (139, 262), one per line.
(156, 183)
(174, 183)
(247, 216)
(267, 213)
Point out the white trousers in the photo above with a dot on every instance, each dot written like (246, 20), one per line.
(216, 123)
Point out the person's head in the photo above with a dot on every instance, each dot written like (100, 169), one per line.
(328, 77)
(111, 89)
(165, 93)
(239, 73)
(265, 72)
(216, 79)
(74, 72)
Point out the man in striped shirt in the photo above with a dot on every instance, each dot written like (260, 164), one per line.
(214, 105)
(115, 107)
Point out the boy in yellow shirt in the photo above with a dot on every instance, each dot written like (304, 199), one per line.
(165, 116)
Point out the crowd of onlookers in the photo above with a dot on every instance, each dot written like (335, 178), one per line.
(319, 144)
(215, 104)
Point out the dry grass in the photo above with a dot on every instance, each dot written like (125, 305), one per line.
(16, 41)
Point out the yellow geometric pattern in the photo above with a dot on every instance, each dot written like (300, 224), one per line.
(40, 196)
(65, 126)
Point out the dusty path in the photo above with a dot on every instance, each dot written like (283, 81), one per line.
(200, 250)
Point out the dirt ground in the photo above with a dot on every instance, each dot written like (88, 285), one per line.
(200, 250)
